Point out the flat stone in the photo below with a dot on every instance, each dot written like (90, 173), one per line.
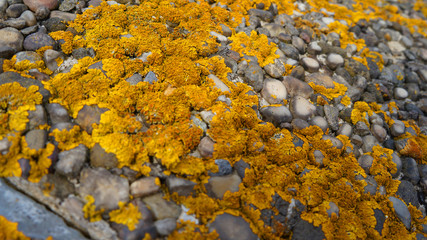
(274, 91)
(232, 227)
(100, 158)
(36, 139)
(89, 115)
(107, 189)
(310, 64)
(401, 211)
(276, 114)
(144, 187)
(302, 108)
(57, 113)
(71, 162)
(320, 79)
(296, 87)
(276, 69)
(11, 37)
(17, 23)
(206, 147)
(181, 186)
(33, 219)
(38, 40)
(408, 193)
(396, 47)
(218, 83)
(162, 208)
(217, 186)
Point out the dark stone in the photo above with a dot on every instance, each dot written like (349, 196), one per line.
(6, 52)
(389, 143)
(240, 167)
(9, 77)
(410, 170)
(230, 227)
(380, 217)
(55, 24)
(37, 40)
(304, 230)
(224, 168)
(408, 193)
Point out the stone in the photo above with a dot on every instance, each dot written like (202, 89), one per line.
(162, 208)
(36, 139)
(165, 226)
(67, 5)
(298, 43)
(379, 132)
(224, 168)
(380, 219)
(333, 209)
(232, 227)
(38, 40)
(266, 16)
(11, 37)
(345, 129)
(395, 47)
(410, 170)
(41, 13)
(320, 122)
(310, 64)
(331, 115)
(333, 61)
(206, 147)
(34, 220)
(365, 162)
(80, 53)
(240, 167)
(399, 165)
(254, 76)
(371, 186)
(71, 161)
(100, 158)
(57, 113)
(218, 83)
(274, 91)
(276, 69)
(31, 56)
(302, 108)
(408, 193)
(34, 4)
(37, 117)
(181, 186)
(88, 115)
(289, 50)
(320, 79)
(217, 186)
(17, 23)
(15, 10)
(276, 114)
(7, 53)
(369, 142)
(151, 77)
(54, 24)
(296, 87)
(398, 128)
(299, 124)
(107, 189)
(335, 141)
(275, 30)
(361, 129)
(305, 230)
(400, 93)
(29, 17)
(401, 211)
(144, 187)
(51, 59)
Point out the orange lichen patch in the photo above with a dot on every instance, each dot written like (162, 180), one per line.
(254, 45)
(190, 230)
(70, 139)
(39, 159)
(361, 111)
(127, 214)
(415, 147)
(346, 101)
(330, 93)
(346, 37)
(89, 210)
(9, 230)
(22, 67)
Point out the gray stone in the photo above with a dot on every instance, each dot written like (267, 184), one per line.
(379, 132)
(41, 13)
(302, 108)
(29, 17)
(15, 10)
(100, 158)
(408, 193)
(335, 141)
(57, 113)
(397, 129)
(333, 61)
(400, 93)
(12, 38)
(289, 50)
(345, 129)
(36, 139)
(361, 129)
(151, 77)
(275, 30)
(37, 40)
(17, 23)
(266, 16)
(297, 87)
(254, 76)
(395, 47)
(369, 142)
(310, 64)
(89, 115)
(314, 48)
(318, 157)
(298, 43)
(165, 226)
(206, 147)
(162, 208)
(401, 211)
(304, 230)
(218, 186)
(218, 83)
(33, 5)
(320, 122)
(410, 170)
(399, 165)
(299, 124)
(365, 161)
(3, 5)
(232, 227)
(276, 69)
(37, 117)
(144, 187)
(31, 56)
(274, 91)
(51, 58)
(240, 167)
(380, 218)
(7, 53)
(276, 114)
(67, 5)
(320, 79)
(224, 168)
(71, 162)
(371, 186)
(181, 186)
(333, 209)
(33, 219)
(107, 189)
(331, 114)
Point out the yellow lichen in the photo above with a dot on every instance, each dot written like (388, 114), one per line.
(127, 214)
(89, 210)
(9, 230)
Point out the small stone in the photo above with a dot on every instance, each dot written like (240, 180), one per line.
(408, 193)
(379, 132)
(37, 117)
(181, 186)
(369, 142)
(298, 43)
(361, 129)
(331, 114)
(80, 53)
(100, 158)
(89, 115)
(310, 64)
(397, 129)
(144, 187)
(51, 59)
(266, 16)
(314, 48)
(289, 50)
(134, 79)
(150, 77)
(17, 23)
(320, 122)
(401, 211)
(371, 186)
(336, 143)
(410, 170)
(15, 10)
(241, 167)
(318, 157)
(206, 147)
(162, 208)
(232, 227)
(274, 91)
(333, 209)
(36, 139)
(396, 47)
(217, 186)
(276, 114)
(254, 76)
(37, 40)
(399, 165)
(67, 5)
(7, 53)
(71, 162)
(224, 168)
(365, 161)
(12, 38)
(400, 93)
(320, 79)
(333, 61)
(218, 83)
(31, 56)
(42, 13)
(299, 124)
(296, 87)
(34, 4)
(107, 189)
(305, 230)
(380, 219)
(29, 17)
(54, 24)
(276, 69)
(165, 226)
(345, 129)
(302, 108)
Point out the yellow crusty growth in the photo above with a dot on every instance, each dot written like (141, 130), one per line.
(127, 214)
(89, 210)
(9, 230)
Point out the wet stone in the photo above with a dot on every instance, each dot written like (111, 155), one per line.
(107, 189)
(36, 139)
(144, 187)
(232, 227)
(37, 40)
(302, 108)
(276, 114)
(401, 211)
(182, 187)
(71, 162)
(100, 158)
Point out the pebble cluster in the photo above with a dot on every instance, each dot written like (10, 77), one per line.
(333, 98)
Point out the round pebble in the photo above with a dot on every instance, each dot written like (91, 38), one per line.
(310, 64)
(333, 61)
